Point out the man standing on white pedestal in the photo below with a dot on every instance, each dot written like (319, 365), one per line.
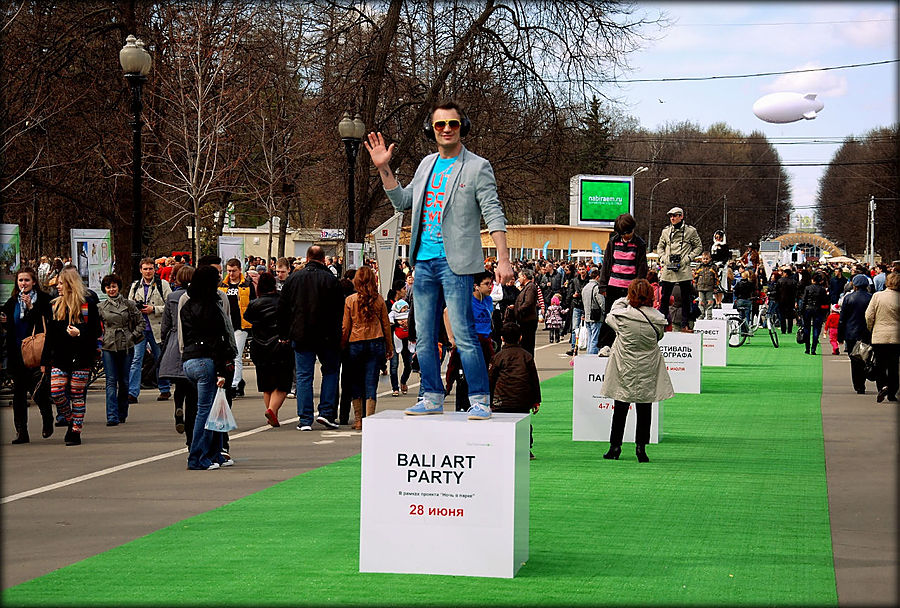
(449, 194)
(679, 244)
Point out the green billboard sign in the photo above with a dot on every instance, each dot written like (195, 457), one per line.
(603, 200)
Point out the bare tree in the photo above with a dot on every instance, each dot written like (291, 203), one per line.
(204, 87)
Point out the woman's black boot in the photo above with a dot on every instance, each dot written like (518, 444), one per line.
(613, 453)
(641, 454)
(21, 437)
(72, 437)
(47, 429)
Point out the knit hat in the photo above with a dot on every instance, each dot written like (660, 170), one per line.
(554, 301)
(860, 281)
(400, 307)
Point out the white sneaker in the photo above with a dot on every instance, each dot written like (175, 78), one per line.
(304, 427)
(291, 395)
(213, 466)
(227, 463)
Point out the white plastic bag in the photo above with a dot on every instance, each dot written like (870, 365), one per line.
(583, 337)
(220, 418)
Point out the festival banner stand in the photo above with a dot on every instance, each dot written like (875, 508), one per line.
(10, 259)
(592, 412)
(443, 494)
(386, 237)
(231, 247)
(92, 256)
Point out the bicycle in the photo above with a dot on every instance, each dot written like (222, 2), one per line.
(770, 322)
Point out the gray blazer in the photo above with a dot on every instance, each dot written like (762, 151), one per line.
(472, 195)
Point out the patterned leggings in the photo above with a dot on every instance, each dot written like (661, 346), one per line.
(67, 391)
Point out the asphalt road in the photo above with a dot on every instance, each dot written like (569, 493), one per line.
(61, 504)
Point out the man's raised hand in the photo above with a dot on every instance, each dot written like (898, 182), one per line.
(380, 155)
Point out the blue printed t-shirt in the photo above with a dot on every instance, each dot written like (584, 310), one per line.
(431, 241)
(482, 310)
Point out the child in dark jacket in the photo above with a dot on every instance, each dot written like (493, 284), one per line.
(515, 386)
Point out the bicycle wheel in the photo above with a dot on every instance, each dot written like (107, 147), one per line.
(773, 330)
(736, 334)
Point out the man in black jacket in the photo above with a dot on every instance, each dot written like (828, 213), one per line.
(310, 312)
(852, 328)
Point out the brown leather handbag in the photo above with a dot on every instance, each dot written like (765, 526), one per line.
(33, 347)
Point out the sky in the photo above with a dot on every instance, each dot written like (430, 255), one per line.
(730, 38)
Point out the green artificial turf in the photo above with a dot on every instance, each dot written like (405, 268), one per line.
(731, 510)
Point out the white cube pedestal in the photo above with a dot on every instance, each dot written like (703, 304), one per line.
(442, 494)
(715, 341)
(592, 412)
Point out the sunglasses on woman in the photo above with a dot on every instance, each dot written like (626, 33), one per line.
(440, 124)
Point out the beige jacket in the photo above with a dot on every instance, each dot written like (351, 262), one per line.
(356, 328)
(883, 317)
(636, 372)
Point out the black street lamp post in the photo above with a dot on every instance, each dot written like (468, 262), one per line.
(352, 133)
(136, 62)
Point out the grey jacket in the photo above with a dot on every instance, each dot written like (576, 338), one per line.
(123, 325)
(592, 298)
(156, 297)
(683, 241)
(472, 195)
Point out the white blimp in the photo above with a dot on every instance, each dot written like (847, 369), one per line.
(787, 107)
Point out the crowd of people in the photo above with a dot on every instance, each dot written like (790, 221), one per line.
(477, 317)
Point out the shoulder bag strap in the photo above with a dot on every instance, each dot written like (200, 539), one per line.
(658, 337)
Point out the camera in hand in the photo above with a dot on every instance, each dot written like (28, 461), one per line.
(674, 262)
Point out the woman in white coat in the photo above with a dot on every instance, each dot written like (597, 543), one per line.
(636, 372)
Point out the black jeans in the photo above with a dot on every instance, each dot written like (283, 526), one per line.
(887, 357)
(687, 298)
(607, 333)
(24, 381)
(185, 397)
(620, 413)
(857, 368)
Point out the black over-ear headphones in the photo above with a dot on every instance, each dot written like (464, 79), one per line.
(465, 125)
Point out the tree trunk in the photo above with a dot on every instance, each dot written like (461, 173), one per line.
(282, 227)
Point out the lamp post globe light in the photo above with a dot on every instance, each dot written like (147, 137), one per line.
(640, 169)
(650, 217)
(352, 133)
(135, 61)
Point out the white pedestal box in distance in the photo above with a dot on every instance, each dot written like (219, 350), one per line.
(682, 354)
(442, 494)
(592, 412)
(715, 341)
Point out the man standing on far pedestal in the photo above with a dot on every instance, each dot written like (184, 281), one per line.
(451, 191)
(679, 244)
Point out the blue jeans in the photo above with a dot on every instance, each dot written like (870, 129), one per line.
(366, 357)
(435, 286)
(137, 362)
(812, 323)
(745, 307)
(328, 395)
(774, 312)
(593, 335)
(206, 445)
(577, 314)
(116, 366)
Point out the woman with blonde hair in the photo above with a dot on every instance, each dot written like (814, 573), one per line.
(367, 332)
(71, 349)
